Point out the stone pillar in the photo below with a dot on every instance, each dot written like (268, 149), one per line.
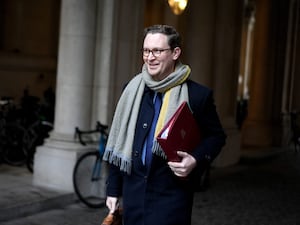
(291, 82)
(212, 50)
(199, 40)
(226, 70)
(257, 128)
(118, 56)
(54, 161)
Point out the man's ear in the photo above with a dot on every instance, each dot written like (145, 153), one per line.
(176, 53)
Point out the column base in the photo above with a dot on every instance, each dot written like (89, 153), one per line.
(256, 135)
(54, 163)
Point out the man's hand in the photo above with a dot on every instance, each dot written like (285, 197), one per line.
(183, 168)
(112, 204)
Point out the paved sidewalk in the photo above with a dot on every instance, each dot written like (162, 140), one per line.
(262, 192)
(18, 197)
(256, 192)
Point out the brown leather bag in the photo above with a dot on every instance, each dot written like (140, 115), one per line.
(113, 218)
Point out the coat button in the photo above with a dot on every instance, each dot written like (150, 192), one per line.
(207, 157)
(136, 153)
(145, 125)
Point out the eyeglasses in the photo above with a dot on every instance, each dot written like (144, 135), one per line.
(155, 52)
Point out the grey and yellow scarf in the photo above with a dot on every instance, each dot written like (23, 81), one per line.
(120, 142)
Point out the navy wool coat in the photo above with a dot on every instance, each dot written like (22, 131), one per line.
(155, 195)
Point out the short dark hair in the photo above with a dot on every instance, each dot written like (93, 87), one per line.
(174, 39)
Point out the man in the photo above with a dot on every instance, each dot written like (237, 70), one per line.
(153, 190)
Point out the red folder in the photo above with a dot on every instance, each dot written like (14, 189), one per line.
(181, 133)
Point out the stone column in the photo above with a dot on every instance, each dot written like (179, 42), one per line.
(54, 161)
(212, 50)
(117, 57)
(226, 70)
(199, 40)
(290, 96)
(257, 129)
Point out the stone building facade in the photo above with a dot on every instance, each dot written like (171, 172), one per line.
(88, 49)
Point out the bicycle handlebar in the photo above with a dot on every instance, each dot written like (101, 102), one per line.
(100, 128)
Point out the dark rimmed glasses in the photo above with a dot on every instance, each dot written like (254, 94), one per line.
(156, 52)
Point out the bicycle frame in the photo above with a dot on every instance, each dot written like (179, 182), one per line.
(87, 170)
(97, 167)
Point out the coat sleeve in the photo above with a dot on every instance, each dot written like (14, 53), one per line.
(212, 133)
(114, 182)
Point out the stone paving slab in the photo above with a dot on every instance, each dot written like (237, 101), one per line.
(264, 192)
(18, 197)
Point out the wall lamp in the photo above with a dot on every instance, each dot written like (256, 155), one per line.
(177, 6)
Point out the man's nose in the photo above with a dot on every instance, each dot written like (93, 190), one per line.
(151, 55)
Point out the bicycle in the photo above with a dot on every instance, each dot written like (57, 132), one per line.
(12, 134)
(87, 170)
(37, 118)
(36, 133)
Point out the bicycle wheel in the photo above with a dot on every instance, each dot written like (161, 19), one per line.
(12, 144)
(86, 179)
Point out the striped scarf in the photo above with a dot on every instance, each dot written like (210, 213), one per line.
(120, 141)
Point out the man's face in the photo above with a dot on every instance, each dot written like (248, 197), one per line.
(162, 65)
